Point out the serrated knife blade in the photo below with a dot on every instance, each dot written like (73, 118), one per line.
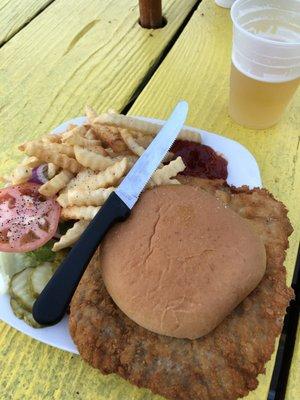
(139, 175)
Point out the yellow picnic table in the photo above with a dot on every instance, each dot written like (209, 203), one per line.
(58, 55)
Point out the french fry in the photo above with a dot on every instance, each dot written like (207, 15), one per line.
(20, 174)
(119, 156)
(111, 153)
(90, 113)
(189, 135)
(80, 178)
(52, 170)
(90, 135)
(142, 139)
(163, 175)
(60, 147)
(71, 236)
(148, 128)
(48, 152)
(83, 212)
(92, 160)
(55, 184)
(131, 143)
(109, 177)
(64, 149)
(51, 138)
(98, 149)
(71, 126)
(31, 162)
(109, 136)
(127, 122)
(77, 139)
(87, 126)
(76, 197)
(76, 131)
(130, 160)
(136, 148)
(95, 180)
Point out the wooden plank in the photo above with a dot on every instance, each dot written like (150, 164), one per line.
(203, 80)
(293, 387)
(73, 54)
(14, 14)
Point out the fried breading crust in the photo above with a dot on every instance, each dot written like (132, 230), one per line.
(222, 365)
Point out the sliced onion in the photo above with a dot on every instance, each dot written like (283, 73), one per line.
(40, 174)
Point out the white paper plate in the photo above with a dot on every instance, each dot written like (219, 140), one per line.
(242, 170)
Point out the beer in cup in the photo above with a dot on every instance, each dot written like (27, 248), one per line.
(265, 71)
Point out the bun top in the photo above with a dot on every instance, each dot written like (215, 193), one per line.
(181, 262)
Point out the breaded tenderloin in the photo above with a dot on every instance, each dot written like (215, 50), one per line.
(221, 365)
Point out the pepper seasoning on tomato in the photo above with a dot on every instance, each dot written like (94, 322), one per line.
(27, 219)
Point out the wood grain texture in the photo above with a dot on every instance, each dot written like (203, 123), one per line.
(33, 371)
(14, 14)
(72, 54)
(197, 70)
(293, 386)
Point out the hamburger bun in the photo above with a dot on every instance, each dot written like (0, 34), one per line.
(181, 262)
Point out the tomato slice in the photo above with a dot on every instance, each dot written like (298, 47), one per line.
(27, 219)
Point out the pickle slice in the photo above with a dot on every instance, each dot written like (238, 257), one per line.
(28, 318)
(17, 309)
(21, 313)
(20, 289)
(39, 278)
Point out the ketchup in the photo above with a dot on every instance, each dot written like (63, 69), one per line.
(200, 160)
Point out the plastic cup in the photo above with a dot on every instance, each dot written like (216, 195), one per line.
(224, 3)
(265, 71)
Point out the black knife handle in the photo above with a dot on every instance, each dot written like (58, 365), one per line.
(53, 302)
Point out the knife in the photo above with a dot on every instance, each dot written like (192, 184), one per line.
(54, 300)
